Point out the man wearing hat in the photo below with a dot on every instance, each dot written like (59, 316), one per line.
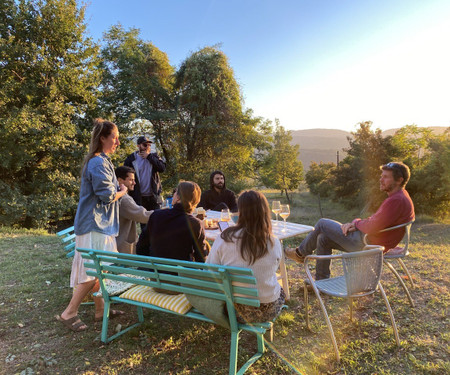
(147, 165)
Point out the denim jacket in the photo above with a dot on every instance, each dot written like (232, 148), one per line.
(96, 210)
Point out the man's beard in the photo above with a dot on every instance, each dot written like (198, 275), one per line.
(219, 186)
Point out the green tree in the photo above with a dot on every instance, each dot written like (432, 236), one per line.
(429, 185)
(356, 177)
(282, 169)
(49, 75)
(319, 179)
(137, 83)
(412, 143)
(212, 130)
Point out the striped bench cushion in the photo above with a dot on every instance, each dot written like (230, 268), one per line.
(141, 293)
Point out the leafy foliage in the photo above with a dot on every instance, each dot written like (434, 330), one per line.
(49, 69)
(355, 179)
(430, 177)
(136, 88)
(212, 131)
(282, 169)
(319, 179)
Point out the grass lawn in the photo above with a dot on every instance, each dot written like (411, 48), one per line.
(34, 288)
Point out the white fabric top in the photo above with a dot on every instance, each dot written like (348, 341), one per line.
(264, 269)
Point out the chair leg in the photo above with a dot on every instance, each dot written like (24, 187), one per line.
(407, 272)
(391, 314)
(330, 328)
(400, 280)
(305, 293)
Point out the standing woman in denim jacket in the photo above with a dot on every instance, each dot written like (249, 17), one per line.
(97, 218)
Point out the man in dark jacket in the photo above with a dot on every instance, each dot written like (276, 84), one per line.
(147, 165)
(218, 197)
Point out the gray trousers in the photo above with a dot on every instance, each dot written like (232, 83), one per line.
(326, 236)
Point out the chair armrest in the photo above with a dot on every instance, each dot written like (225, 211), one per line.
(336, 256)
(396, 227)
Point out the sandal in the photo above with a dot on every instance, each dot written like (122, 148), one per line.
(112, 314)
(74, 323)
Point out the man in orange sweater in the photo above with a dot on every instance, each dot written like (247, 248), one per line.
(328, 234)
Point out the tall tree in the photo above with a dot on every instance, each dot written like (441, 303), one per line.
(136, 86)
(212, 131)
(429, 160)
(49, 75)
(356, 177)
(412, 143)
(282, 169)
(320, 178)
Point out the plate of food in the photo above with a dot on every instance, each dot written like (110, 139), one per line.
(211, 224)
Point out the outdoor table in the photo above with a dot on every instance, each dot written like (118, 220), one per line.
(292, 230)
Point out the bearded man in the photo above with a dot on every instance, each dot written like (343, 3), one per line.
(218, 197)
(328, 234)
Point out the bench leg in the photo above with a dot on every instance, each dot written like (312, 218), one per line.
(234, 352)
(104, 336)
(140, 313)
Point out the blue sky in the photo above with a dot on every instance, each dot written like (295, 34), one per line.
(310, 63)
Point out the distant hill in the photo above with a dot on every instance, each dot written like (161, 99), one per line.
(321, 145)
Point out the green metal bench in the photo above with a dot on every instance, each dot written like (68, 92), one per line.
(219, 283)
(68, 240)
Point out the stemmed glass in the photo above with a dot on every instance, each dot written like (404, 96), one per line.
(285, 212)
(276, 209)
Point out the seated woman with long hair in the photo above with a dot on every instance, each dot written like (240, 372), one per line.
(251, 244)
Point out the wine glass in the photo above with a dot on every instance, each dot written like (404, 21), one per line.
(276, 209)
(285, 212)
(225, 215)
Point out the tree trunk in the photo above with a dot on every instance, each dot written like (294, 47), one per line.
(287, 196)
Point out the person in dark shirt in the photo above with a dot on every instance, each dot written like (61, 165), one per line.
(147, 166)
(218, 197)
(175, 233)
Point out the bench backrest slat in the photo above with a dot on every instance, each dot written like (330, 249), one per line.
(65, 231)
(230, 284)
(68, 240)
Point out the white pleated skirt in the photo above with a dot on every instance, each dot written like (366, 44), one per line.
(91, 240)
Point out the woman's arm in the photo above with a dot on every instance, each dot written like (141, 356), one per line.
(103, 183)
(214, 254)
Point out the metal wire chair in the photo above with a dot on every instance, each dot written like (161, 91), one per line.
(398, 253)
(361, 277)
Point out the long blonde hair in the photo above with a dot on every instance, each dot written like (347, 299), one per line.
(102, 128)
(255, 225)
